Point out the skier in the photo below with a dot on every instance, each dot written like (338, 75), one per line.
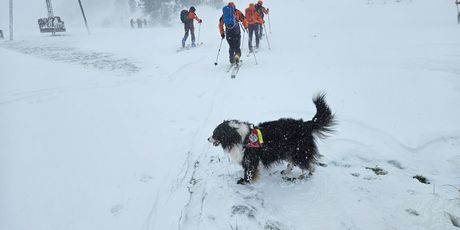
(254, 21)
(262, 12)
(231, 18)
(188, 25)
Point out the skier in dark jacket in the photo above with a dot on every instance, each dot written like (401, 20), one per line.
(233, 34)
(189, 27)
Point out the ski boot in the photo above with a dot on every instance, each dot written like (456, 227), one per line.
(237, 59)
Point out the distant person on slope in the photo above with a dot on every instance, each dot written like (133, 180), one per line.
(231, 18)
(188, 25)
(262, 12)
(254, 21)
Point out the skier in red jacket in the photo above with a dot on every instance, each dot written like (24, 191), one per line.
(189, 27)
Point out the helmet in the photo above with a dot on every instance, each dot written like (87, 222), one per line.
(231, 4)
(192, 9)
(260, 2)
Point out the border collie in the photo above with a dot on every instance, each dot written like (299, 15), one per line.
(275, 141)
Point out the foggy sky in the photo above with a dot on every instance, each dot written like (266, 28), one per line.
(99, 13)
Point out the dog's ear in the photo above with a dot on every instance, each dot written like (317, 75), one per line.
(231, 137)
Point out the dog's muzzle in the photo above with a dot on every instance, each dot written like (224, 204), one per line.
(214, 142)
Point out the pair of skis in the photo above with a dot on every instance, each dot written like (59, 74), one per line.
(234, 69)
(251, 53)
(188, 47)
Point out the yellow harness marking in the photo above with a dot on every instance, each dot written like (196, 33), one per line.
(259, 134)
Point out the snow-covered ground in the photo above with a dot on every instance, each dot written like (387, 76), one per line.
(109, 131)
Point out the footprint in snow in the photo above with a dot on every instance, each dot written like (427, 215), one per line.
(455, 220)
(272, 225)
(340, 164)
(250, 212)
(116, 209)
(395, 163)
(377, 170)
(146, 178)
(412, 212)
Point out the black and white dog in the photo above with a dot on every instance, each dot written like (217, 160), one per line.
(275, 141)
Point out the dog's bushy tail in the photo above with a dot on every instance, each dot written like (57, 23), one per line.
(323, 121)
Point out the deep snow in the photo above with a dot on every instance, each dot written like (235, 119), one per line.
(109, 131)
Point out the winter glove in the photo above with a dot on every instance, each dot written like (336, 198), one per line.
(222, 35)
(200, 21)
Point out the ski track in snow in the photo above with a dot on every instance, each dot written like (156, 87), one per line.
(209, 178)
(91, 59)
(194, 185)
(32, 95)
(452, 139)
(39, 95)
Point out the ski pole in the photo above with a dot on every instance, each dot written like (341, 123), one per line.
(244, 32)
(242, 42)
(199, 30)
(254, 53)
(218, 52)
(268, 42)
(269, 25)
(458, 11)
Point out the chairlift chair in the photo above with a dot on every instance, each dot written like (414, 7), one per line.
(51, 24)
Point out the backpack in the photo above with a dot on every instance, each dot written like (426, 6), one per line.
(250, 14)
(229, 16)
(258, 9)
(183, 16)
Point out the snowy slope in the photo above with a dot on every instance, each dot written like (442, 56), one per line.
(109, 131)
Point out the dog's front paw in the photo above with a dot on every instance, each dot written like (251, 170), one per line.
(242, 181)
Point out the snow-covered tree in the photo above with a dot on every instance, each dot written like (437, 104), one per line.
(132, 5)
(161, 11)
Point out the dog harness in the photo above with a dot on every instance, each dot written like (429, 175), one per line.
(254, 139)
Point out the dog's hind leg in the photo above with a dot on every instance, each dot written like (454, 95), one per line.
(288, 170)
